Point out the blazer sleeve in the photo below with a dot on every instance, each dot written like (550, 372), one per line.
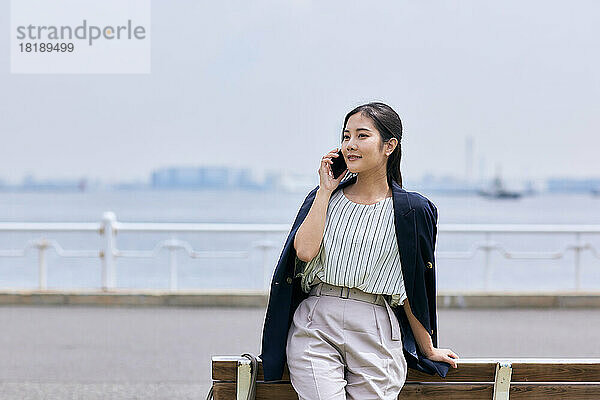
(423, 301)
(427, 245)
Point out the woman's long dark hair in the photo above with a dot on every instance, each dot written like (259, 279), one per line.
(389, 125)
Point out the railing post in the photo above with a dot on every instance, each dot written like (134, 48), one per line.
(265, 265)
(265, 245)
(488, 272)
(42, 245)
(578, 261)
(173, 268)
(108, 260)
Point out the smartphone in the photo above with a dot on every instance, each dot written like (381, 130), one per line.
(339, 165)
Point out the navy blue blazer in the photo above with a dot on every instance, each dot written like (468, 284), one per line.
(415, 219)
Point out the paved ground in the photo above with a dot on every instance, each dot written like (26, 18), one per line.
(164, 353)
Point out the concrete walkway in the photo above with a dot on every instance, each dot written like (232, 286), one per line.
(53, 352)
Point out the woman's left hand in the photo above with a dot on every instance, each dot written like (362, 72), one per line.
(445, 355)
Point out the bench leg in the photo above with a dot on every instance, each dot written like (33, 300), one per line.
(502, 382)
(244, 378)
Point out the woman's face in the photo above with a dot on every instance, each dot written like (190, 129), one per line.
(362, 139)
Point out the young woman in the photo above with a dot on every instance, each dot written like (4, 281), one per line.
(352, 302)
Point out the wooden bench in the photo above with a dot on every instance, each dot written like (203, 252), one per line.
(475, 378)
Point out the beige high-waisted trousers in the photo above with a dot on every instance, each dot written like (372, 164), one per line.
(341, 348)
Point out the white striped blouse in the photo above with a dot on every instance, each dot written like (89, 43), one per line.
(359, 249)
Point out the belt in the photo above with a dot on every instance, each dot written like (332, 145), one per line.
(326, 289)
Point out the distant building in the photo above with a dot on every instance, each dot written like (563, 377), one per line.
(250, 179)
(29, 183)
(211, 177)
(445, 184)
(573, 185)
(192, 177)
(297, 182)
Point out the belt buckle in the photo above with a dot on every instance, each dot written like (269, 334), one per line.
(347, 290)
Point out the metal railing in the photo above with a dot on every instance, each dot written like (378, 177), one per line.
(109, 252)
(488, 245)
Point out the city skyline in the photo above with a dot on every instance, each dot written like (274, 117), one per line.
(219, 177)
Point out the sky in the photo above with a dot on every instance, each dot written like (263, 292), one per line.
(266, 85)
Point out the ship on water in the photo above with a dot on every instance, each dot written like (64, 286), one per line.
(498, 191)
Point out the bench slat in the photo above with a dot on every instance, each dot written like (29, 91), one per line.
(573, 372)
(543, 391)
(476, 370)
(225, 370)
(276, 391)
(463, 391)
(464, 373)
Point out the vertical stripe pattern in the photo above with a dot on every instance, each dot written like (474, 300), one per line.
(359, 249)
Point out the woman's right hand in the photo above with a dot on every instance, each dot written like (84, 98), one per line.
(327, 182)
